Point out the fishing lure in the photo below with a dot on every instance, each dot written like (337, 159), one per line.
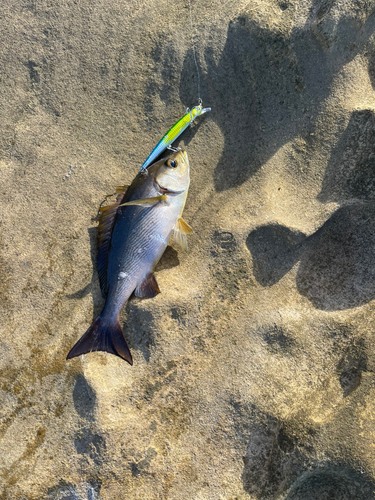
(173, 133)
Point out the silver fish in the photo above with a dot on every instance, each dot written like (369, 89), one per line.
(132, 236)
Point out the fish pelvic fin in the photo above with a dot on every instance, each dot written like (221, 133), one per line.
(180, 230)
(103, 335)
(148, 288)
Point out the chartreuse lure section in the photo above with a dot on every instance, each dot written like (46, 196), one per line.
(174, 132)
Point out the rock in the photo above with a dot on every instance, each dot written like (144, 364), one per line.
(253, 369)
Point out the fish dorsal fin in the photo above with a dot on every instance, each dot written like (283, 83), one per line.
(180, 230)
(107, 217)
(148, 288)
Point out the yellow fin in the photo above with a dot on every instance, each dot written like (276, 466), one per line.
(183, 226)
(121, 189)
(180, 230)
(146, 202)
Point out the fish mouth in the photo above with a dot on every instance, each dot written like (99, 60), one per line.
(167, 191)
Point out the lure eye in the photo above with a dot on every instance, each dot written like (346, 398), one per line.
(171, 163)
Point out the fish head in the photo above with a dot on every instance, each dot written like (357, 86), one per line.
(172, 174)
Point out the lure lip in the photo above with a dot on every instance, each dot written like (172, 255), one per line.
(205, 110)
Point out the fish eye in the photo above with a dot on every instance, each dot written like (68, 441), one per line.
(171, 163)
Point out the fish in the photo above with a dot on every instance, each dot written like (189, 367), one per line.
(173, 133)
(133, 234)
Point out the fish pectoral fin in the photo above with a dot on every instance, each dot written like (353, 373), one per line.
(121, 189)
(146, 202)
(148, 288)
(180, 230)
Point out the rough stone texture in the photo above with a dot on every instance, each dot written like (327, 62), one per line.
(254, 369)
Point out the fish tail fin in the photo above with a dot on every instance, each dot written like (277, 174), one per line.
(103, 335)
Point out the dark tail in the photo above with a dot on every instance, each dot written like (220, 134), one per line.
(102, 335)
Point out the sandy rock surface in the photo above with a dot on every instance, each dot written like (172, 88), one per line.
(253, 372)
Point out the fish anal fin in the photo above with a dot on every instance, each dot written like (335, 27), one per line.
(148, 288)
(107, 216)
(180, 230)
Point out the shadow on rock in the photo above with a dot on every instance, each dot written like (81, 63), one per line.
(274, 459)
(69, 491)
(265, 90)
(332, 482)
(90, 444)
(163, 83)
(275, 249)
(168, 260)
(63, 491)
(371, 69)
(93, 287)
(84, 399)
(336, 263)
(87, 441)
(350, 173)
(278, 340)
(336, 270)
(141, 467)
(138, 328)
(242, 90)
(351, 366)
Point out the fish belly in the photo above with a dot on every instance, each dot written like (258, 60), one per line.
(139, 239)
